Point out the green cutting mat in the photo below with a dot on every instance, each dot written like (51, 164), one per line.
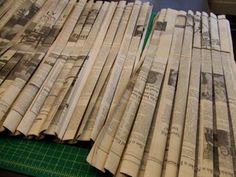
(45, 158)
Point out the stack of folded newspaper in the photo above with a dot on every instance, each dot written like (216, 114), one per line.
(177, 115)
(64, 64)
(78, 71)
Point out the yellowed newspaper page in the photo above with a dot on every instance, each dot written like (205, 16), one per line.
(81, 78)
(133, 153)
(95, 19)
(140, 60)
(96, 71)
(19, 87)
(5, 7)
(20, 19)
(18, 78)
(24, 100)
(40, 97)
(39, 15)
(189, 145)
(59, 23)
(144, 35)
(205, 144)
(101, 83)
(158, 143)
(221, 116)
(4, 58)
(67, 93)
(33, 109)
(180, 104)
(115, 73)
(229, 76)
(86, 69)
(146, 151)
(131, 58)
(127, 69)
(15, 6)
(98, 154)
(98, 66)
(127, 118)
(77, 66)
(45, 88)
(151, 130)
(89, 18)
(51, 100)
(14, 60)
(54, 15)
(37, 30)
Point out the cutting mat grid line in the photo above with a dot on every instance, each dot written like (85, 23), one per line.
(44, 158)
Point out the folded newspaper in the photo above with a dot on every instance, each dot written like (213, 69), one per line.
(84, 71)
